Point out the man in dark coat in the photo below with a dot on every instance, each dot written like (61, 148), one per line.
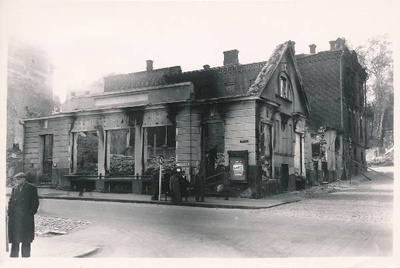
(174, 186)
(199, 182)
(22, 206)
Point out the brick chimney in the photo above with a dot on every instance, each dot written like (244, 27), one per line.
(312, 48)
(206, 67)
(340, 43)
(333, 44)
(149, 66)
(231, 57)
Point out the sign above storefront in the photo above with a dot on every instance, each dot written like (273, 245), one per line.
(183, 164)
(156, 118)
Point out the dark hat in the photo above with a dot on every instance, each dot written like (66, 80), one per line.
(20, 175)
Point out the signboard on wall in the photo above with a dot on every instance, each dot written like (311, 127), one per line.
(156, 118)
(238, 165)
(107, 121)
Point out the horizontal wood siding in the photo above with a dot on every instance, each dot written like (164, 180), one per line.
(188, 138)
(60, 129)
(240, 127)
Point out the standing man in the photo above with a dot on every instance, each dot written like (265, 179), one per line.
(174, 186)
(199, 182)
(22, 207)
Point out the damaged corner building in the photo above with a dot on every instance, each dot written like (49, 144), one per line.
(257, 124)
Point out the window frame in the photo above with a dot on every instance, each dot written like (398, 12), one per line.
(285, 87)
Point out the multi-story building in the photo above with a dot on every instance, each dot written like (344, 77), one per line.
(29, 94)
(335, 84)
(29, 87)
(245, 122)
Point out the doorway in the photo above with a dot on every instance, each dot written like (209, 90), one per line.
(47, 158)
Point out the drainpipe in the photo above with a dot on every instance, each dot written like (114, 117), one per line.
(190, 127)
(341, 105)
(23, 144)
(341, 90)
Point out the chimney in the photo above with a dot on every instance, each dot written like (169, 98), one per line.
(340, 43)
(206, 67)
(149, 66)
(231, 57)
(333, 44)
(312, 48)
(293, 44)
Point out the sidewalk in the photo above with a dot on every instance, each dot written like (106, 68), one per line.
(209, 202)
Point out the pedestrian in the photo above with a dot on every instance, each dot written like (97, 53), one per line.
(22, 206)
(155, 184)
(199, 182)
(174, 186)
(184, 185)
(226, 186)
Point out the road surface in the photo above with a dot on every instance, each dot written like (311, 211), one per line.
(355, 220)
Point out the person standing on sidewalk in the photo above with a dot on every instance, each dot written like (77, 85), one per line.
(174, 186)
(22, 206)
(199, 182)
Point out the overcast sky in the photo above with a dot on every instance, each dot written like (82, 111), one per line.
(87, 39)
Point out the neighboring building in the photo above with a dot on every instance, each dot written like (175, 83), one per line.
(335, 84)
(245, 121)
(29, 87)
(29, 92)
(78, 94)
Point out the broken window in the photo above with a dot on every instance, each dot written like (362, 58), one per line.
(160, 141)
(121, 147)
(87, 153)
(285, 87)
(316, 149)
(214, 146)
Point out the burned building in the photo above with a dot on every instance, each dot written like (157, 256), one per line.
(335, 84)
(242, 121)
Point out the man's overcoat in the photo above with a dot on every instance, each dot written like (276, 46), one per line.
(22, 207)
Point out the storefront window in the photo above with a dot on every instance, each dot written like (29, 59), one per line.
(87, 153)
(121, 160)
(160, 141)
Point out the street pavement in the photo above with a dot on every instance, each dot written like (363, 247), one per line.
(42, 246)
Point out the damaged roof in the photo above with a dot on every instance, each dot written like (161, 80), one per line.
(269, 68)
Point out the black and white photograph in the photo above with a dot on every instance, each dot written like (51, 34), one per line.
(199, 133)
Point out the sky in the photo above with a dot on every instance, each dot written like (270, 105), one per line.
(89, 39)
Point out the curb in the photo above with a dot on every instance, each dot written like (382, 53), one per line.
(88, 253)
(184, 204)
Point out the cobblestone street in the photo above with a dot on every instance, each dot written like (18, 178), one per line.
(46, 225)
(366, 201)
(337, 219)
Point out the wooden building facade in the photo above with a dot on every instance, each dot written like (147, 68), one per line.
(245, 122)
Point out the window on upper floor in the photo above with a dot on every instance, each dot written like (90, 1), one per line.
(285, 87)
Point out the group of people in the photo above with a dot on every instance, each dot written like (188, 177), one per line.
(178, 187)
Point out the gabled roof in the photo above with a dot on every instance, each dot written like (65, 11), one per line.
(269, 68)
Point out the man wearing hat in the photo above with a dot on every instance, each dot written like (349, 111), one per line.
(174, 185)
(22, 207)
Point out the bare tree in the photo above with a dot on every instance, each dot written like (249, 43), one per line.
(377, 56)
